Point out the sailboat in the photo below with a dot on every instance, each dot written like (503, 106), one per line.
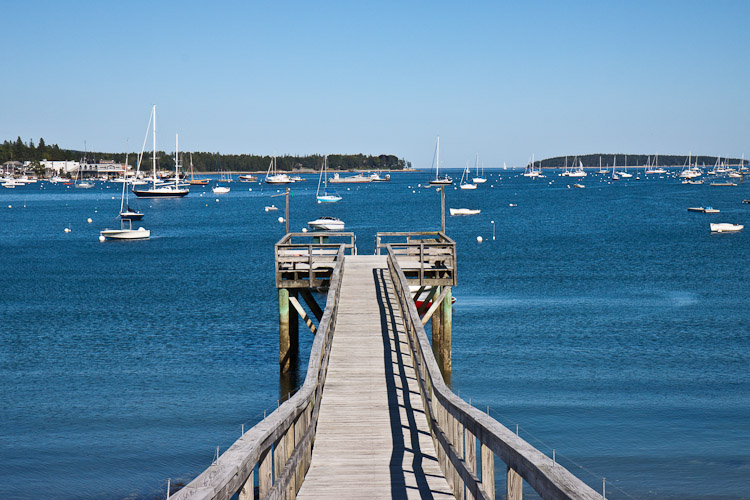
(80, 183)
(624, 173)
(127, 213)
(193, 181)
(161, 190)
(439, 181)
(478, 179)
(273, 177)
(218, 188)
(464, 183)
(601, 170)
(615, 177)
(325, 197)
(578, 172)
(531, 171)
(127, 216)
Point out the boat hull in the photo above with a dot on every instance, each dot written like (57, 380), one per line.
(173, 193)
(126, 234)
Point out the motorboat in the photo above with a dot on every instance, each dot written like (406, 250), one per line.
(125, 233)
(220, 189)
(579, 186)
(727, 184)
(326, 223)
(724, 227)
(375, 177)
(271, 208)
(352, 179)
(248, 178)
(464, 211)
(711, 210)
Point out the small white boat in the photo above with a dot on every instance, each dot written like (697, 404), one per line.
(327, 224)
(439, 181)
(464, 182)
(374, 177)
(579, 186)
(273, 177)
(271, 208)
(478, 178)
(248, 178)
(325, 196)
(125, 233)
(724, 227)
(220, 189)
(464, 211)
(711, 210)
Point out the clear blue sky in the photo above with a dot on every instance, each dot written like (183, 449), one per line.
(504, 80)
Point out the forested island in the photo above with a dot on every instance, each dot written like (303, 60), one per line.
(593, 160)
(202, 161)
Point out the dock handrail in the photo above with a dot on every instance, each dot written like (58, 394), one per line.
(426, 257)
(306, 260)
(456, 426)
(281, 444)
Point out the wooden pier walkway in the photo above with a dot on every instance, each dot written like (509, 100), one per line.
(374, 418)
(372, 439)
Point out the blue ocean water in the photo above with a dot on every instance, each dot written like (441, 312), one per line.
(606, 322)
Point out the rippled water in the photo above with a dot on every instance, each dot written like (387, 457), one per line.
(607, 322)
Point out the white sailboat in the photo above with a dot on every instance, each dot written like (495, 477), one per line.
(578, 172)
(531, 171)
(439, 181)
(273, 177)
(624, 174)
(615, 177)
(478, 179)
(127, 213)
(157, 189)
(464, 183)
(126, 231)
(325, 197)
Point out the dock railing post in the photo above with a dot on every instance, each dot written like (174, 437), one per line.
(288, 336)
(446, 320)
(436, 330)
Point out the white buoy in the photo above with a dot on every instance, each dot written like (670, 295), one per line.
(250, 189)
(304, 229)
(67, 229)
(10, 206)
(113, 197)
(281, 220)
(102, 238)
(479, 239)
(89, 220)
(217, 200)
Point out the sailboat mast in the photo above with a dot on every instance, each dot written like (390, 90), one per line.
(437, 160)
(176, 159)
(153, 158)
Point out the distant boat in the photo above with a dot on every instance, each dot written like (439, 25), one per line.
(273, 177)
(327, 224)
(531, 171)
(704, 210)
(352, 179)
(127, 213)
(478, 179)
(161, 190)
(439, 181)
(579, 186)
(464, 211)
(724, 227)
(464, 182)
(728, 184)
(193, 181)
(271, 208)
(220, 189)
(325, 197)
(375, 177)
(248, 178)
(578, 172)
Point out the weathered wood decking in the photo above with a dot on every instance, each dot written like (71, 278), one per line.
(372, 439)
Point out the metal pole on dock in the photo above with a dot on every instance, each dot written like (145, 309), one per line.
(286, 214)
(442, 209)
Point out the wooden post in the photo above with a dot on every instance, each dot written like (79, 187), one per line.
(265, 473)
(286, 214)
(288, 337)
(470, 442)
(446, 320)
(514, 485)
(437, 332)
(442, 209)
(248, 489)
(488, 472)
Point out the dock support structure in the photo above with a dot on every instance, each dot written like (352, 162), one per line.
(288, 331)
(442, 319)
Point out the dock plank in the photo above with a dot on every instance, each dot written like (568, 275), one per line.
(372, 439)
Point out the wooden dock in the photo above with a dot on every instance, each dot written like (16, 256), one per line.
(372, 439)
(374, 417)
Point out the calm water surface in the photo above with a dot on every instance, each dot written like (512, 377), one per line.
(606, 322)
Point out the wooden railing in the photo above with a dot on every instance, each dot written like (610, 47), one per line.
(426, 258)
(280, 446)
(307, 260)
(457, 427)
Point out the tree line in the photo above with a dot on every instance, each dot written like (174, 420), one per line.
(592, 160)
(202, 161)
